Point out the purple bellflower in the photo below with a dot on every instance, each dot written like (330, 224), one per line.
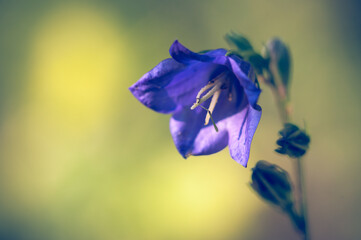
(196, 88)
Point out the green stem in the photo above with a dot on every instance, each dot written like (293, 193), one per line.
(283, 106)
(300, 219)
(296, 219)
(302, 196)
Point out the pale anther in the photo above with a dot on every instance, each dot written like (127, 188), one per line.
(212, 105)
(216, 85)
(208, 94)
(205, 88)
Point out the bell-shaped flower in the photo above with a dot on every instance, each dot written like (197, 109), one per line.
(212, 98)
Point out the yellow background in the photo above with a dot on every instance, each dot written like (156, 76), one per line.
(80, 158)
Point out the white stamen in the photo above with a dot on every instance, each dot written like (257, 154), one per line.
(208, 95)
(209, 85)
(217, 85)
(211, 106)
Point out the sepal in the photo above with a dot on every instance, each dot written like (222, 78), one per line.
(239, 41)
(245, 49)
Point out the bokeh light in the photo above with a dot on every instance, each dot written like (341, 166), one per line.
(80, 158)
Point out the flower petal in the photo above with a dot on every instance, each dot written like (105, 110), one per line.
(241, 129)
(241, 69)
(192, 137)
(150, 89)
(186, 56)
(185, 85)
(251, 90)
(171, 85)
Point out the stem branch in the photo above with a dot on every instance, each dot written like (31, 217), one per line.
(285, 114)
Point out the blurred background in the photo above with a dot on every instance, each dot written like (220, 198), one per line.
(80, 158)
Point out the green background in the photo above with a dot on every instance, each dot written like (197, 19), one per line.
(80, 158)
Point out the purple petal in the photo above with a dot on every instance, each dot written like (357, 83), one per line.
(241, 128)
(246, 67)
(185, 85)
(150, 89)
(186, 56)
(237, 66)
(192, 137)
(171, 85)
(251, 90)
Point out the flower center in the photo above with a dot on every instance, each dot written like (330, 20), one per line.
(214, 88)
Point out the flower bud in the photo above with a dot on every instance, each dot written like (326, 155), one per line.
(294, 142)
(272, 183)
(279, 62)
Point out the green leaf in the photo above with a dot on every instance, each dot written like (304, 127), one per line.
(238, 41)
